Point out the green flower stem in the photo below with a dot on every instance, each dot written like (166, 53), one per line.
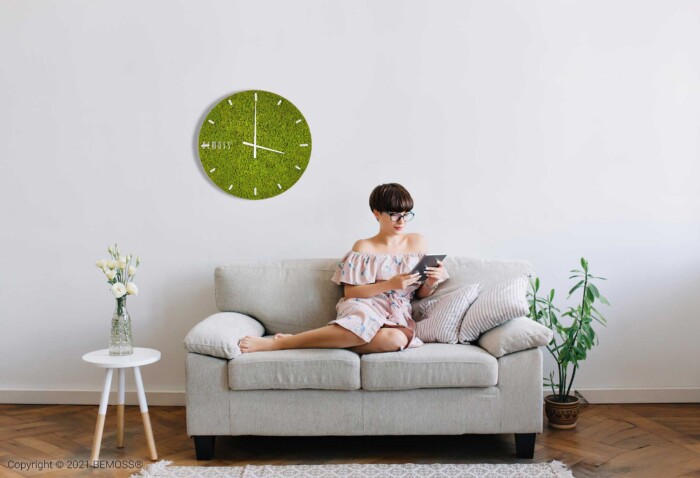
(572, 378)
(580, 323)
(121, 303)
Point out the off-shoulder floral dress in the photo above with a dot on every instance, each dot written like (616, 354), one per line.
(365, 316)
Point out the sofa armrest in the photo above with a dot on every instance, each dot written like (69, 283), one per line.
(517, 334)
(520, 391)
(218, 334)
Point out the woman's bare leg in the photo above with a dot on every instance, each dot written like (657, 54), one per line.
(386, 340)
(331, 336)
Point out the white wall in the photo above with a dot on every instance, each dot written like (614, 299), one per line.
(543, 131)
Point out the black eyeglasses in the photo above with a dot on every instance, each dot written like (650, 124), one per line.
(395, 216)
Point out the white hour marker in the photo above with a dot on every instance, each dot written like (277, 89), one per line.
(211, 121)
(231, 186)
(296, 166)
(303, 145)
(229, 102)
(212, 170)
(298, 121)
(278, 185)
(279, 102)
(255, 191)
(256, 97)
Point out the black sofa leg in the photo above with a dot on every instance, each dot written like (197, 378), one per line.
(204, 447)
(525, 445)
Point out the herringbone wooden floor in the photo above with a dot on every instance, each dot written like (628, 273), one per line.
(649, 440)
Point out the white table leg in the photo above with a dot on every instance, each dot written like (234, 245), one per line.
(120, 409)
(102, 411)
(144, 414)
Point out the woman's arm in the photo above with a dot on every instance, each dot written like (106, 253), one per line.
(436, 275)
(364, 291)
(423, 291)
(426, 290)
(431, 284)
(399, 281)
(370, 290)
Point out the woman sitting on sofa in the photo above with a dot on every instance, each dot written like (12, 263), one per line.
(375, 313)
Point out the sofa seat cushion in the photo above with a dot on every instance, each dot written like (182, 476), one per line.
(324, 369)
(429, 366)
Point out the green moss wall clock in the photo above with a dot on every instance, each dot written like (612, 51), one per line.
(254, 144)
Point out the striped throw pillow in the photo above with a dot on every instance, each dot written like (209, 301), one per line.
(497, 304)
(442, 317)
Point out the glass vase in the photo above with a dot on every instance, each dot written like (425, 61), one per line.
(120, 339)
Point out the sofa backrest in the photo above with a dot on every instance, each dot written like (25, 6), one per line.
(294, 295)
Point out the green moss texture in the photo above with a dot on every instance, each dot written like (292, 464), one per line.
(231, 164)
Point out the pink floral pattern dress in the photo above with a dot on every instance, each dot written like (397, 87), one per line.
(365, 316)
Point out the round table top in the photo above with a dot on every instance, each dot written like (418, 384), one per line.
(141, 356)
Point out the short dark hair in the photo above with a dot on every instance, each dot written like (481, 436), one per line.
(391, 197)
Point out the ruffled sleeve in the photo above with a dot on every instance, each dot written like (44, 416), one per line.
(355, 268)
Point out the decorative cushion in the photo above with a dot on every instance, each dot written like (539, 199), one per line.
(218, 334)
(293, 369)
(429, 366)
(443, 316)
(501, 302)
(515, 335)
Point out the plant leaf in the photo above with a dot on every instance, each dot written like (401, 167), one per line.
(578, 284)
(589, 295)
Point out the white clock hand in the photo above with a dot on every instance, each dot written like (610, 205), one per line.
(262, 147)
(255, 128)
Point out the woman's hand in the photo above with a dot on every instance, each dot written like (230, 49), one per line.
(401, 281)
(435, 275)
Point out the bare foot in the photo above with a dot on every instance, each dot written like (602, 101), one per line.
(277, 336)
(250, 343)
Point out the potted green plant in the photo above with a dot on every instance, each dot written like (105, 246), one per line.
(561, 408)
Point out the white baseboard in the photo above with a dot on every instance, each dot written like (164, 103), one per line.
(92, 397)
(87, 397)
(638, 395)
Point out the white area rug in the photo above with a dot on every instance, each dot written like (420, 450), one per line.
(555, 469)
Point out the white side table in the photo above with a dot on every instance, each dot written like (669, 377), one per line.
(101, 358)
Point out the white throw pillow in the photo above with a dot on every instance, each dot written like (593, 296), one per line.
(517, 334)
(497, 304)
(218, 334)
(442, 317)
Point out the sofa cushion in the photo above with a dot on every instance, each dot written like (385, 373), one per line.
(288, 296)
(515, 335)
(495, 305)
(429, 366)
(325, 369)
(218, 334)
(443, 316)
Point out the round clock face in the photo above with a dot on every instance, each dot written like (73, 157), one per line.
(254, 144)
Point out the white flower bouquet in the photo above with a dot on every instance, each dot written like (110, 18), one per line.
(120, 271)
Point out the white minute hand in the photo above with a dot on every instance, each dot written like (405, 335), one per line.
(255, 146)
(255, 128)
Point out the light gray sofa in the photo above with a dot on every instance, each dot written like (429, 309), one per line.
(437, 389)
